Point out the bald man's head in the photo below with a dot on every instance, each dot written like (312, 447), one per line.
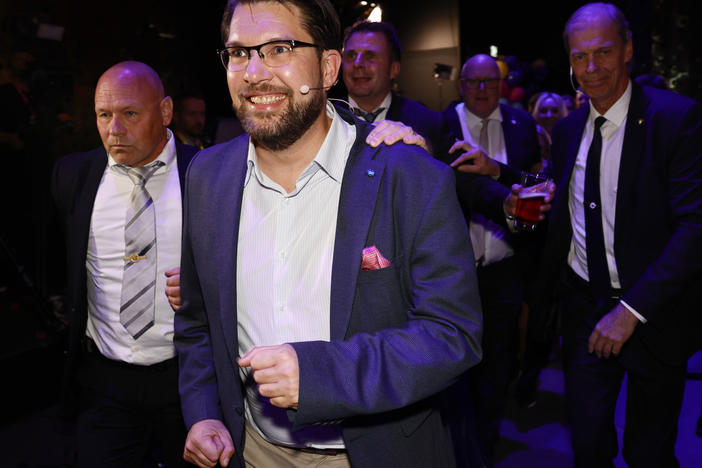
(481, 82)
(132, 113)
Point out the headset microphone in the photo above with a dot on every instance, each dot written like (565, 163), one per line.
(305, 88)
(572, 82)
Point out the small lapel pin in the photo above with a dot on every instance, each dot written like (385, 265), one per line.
(370, 172)
(514, 122)
(640, 122)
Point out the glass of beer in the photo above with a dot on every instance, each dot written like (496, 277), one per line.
(535, 189)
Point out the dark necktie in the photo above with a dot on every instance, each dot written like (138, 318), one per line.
(598, 271)
(136, 312)
(367, 116)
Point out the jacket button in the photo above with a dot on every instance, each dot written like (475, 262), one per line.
(239, 410)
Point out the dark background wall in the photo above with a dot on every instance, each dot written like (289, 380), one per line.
(179, 40)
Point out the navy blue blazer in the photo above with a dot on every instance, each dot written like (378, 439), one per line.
(74, 184)
(521, 140)
(399, 335)
(424, 121)
(658, 225)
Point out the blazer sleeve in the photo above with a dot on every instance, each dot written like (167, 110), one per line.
(197, 379)
(439, 339)
(679, 263)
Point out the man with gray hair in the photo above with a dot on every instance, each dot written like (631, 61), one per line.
(623, 248)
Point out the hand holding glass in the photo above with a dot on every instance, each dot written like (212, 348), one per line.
(535, 189)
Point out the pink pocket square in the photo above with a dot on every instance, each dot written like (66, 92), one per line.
(372, 259)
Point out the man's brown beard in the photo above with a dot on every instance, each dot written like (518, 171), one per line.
(292, 124)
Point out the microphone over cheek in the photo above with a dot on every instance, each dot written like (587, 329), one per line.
(304, 89)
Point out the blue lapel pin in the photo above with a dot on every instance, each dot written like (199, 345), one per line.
(370, 172)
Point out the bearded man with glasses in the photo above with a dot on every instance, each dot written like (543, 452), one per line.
(329, 293)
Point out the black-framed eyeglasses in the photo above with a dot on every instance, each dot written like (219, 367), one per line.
(473, 83)
(273, 53)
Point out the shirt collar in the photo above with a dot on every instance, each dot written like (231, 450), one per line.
(167, 155)
(384, 104)
(473, 120)
(332, 155)
(617, 113)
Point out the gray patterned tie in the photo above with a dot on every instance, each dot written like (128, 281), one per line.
(484, 140)
(136, 311)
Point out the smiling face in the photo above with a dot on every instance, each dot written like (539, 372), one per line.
(368, 68)
(548, 111)
(599, 59)
(132, 114)
(268, 100)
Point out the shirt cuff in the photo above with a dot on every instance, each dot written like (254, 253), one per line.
(641, 318)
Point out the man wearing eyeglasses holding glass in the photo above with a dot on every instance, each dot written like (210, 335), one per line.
(329, 292)
(504, 140)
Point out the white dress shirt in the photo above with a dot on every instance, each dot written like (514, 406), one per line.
(284, 266)
(385, 104)
(612, 142)
(490, 240)
(105, 264)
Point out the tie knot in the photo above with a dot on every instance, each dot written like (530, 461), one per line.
(367, 116)
(140, 175)
(485, 122)
(599, 121)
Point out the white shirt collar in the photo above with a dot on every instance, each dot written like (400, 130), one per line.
(384, 104)
(332, 155)
(473, 120)
(618, 112)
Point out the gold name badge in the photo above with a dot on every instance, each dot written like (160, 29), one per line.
(134, 258)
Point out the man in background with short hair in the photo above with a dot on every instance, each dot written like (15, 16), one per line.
(189, 116)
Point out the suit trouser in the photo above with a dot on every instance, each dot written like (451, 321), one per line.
(501, 297)
(122, 406)
(653, 399)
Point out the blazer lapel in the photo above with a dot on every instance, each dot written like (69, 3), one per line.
(576, 127)
(395, 109)
(230, 187)
(509, 127)
(359, 191)
(633, 151)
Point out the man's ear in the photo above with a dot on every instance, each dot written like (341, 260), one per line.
(394, 70)
(166, 107)
(331, 61)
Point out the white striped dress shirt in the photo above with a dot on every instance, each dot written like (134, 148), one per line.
(284, 265)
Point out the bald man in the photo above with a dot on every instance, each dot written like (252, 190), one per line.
(120, 207)
(501, 141)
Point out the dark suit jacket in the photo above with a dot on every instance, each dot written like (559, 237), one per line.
(658, 226)
(399, 335)
(74, 185)
(424, 121)
(481, 194)
(521, 140)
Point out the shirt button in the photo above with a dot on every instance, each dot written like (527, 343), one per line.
(282, 255)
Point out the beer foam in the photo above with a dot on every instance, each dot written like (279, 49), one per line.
(525, 195)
